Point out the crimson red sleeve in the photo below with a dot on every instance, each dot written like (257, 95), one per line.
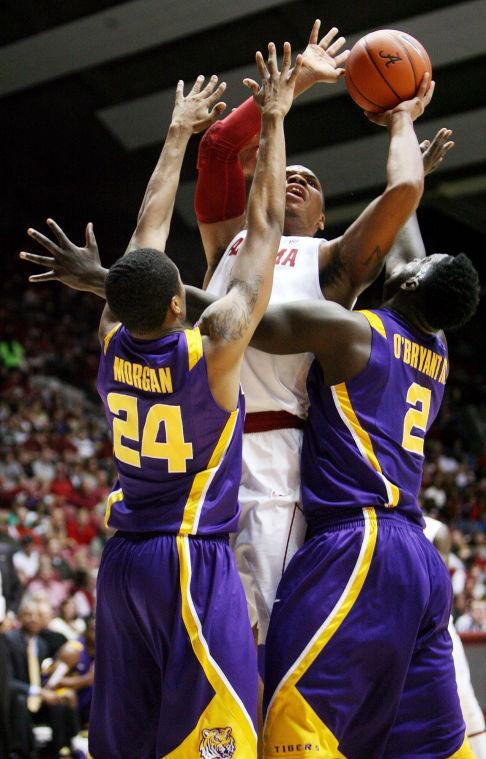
(221, 186)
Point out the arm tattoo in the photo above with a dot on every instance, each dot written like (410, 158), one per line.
(374, 257)
(231, 323)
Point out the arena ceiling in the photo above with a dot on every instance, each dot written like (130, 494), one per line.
(86, 90)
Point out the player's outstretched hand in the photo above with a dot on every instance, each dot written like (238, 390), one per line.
(434, 152)
(74, 266)
(200, 107)
(321, 60)
(414, 107)
(276, 91)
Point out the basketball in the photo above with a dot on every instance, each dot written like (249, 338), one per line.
(385, 68)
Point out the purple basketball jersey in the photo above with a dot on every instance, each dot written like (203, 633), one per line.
(364, 442)
(177, 453)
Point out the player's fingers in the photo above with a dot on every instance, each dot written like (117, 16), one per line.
(179, 91)
(448, 146)
(286, 58)
(210, 85)
(314, 35)
(90, 236)
(261, 65)
(44, 241)
(252, 85)
(424, 145)
(63, 239)
(342, 58)
(424, 85)
(197, 85)
(217, 110)
(45, 277)
(429, 94)
(328, 38)
(272, 59)
(336, 46)
(295, 71)
(35, 259)
(215, 96)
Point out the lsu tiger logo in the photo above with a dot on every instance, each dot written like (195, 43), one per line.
(217, 743)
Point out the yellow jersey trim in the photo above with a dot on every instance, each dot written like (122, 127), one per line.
(374, 321)
(108, 337)
(114, 497)
(194, 346)
(202, 480)
(465, 752)
(225, 708)
(290, 719)
(363, 442)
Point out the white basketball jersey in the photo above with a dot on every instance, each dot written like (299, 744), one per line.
(277, 383)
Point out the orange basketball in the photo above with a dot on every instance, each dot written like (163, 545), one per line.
(385, 68)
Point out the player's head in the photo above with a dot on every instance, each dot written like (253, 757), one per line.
(144, 290)
(437, 292)
(304, 202)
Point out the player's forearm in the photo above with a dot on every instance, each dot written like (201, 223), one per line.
(408, 245)
(405, 166)
(266, 203)
(155, 213)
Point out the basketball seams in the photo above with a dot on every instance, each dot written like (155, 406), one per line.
(368, 52)
(365, 97)
(410, 60)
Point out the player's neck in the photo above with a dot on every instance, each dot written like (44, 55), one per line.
(158, 334)
(410, 313)
(295, 227)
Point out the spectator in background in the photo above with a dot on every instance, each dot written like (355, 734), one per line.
(12, 354)
(68, 622)
(26, 560)
(47, 583)
(473, 620)
(32, 703)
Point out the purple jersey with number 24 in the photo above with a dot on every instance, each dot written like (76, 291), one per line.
(177, 452)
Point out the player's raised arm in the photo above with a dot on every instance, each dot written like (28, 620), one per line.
(230, 322)
(192, 113)
(79, 267)
(351, 262)
(227, 152)
(408, 243)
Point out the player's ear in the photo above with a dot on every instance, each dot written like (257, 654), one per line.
(321, 222)
(176, 306)
(410, 284)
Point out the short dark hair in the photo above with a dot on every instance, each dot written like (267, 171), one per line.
(139, 288)
(449, 295)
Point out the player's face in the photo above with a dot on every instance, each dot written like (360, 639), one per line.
(417, 270)
(303, 196)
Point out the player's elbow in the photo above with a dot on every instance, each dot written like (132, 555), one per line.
(215, 145)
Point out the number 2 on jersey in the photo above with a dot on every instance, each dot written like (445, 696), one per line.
(176, 451)
(416, 418)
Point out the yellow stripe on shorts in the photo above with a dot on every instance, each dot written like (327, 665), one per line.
(465, 752)
(290, 718)
(225, 710)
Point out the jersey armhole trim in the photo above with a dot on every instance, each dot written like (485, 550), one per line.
(374, 321)
(108, 337)
(194, 346)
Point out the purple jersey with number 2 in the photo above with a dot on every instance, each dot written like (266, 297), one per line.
(364, 444)
(177, 452)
